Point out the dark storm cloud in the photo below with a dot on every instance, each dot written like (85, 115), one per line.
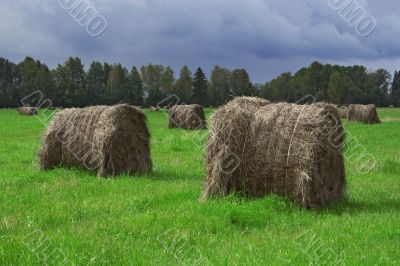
(266, 37)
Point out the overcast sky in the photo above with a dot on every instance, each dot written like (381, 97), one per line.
(266, 37)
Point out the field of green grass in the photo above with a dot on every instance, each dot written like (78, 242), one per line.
(70, 217)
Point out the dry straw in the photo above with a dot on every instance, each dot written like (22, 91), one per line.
(256, 148)
(110, 140)
(27, 111)
(366, 114)
(187, 117)
(343, 111)
(154, 109)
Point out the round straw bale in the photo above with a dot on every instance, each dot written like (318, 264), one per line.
(154, 109)
(27, 110)
(187, 117)
(366, 114)
(226, 145)
(343, 112)
(111, 140)
(245, 102)
(285, 149)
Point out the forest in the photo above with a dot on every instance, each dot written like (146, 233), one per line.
(72, 85)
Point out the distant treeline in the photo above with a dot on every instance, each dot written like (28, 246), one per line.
(69, 85)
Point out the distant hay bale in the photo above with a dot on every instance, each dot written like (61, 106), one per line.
(343, 111)
(283, 149)
(154, 109)
(111, 140)
(187, 117)
(249, 102)
(28, 110)
(366, 114)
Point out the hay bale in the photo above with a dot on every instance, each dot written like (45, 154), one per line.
(283, 149)
(366, 114)
(154, 109)
(27, 110)
(343, 112)
(111, 140)
(245, 102)
(187, 117)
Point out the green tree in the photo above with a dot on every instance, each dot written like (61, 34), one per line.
(183, 87)
(335, 88)
(60, 83)
(279, 89)
(45, 84)
(118, 85)
(395, 89)
(152, 76)
(70, 80)
(96, 85)
(29, 76)
(200, 84)
(219, 89)
(136, 82)
(241, 84)
(168, 81)
(9, 83)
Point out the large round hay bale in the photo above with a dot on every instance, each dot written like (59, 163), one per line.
(227, 143)
(187, 117)
(111, 140)
(366, 114)
(27, 110)
(283, 149)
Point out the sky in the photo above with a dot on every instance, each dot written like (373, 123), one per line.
(266, 37)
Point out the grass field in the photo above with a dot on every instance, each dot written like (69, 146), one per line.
(72, 217)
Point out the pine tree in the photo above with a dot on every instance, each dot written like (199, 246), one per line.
(200, 84)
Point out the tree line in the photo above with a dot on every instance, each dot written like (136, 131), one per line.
(336, 84)
(70, 85)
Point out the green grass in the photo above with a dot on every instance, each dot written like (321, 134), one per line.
(158, 220)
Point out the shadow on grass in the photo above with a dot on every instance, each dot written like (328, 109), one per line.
(354, 207)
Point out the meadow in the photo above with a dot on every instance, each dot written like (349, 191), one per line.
(71, 217)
